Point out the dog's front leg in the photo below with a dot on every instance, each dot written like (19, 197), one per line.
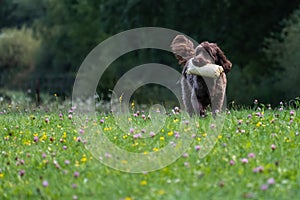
(219, 94)
(186, 96)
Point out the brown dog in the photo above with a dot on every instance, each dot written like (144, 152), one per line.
(199, 92)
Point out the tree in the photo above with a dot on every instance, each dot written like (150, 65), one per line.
(18, 48)
(69, 30)
(283, 50)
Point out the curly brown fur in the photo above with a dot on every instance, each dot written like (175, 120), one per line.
(199, 92)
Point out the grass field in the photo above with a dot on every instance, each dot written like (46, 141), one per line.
(256, 156)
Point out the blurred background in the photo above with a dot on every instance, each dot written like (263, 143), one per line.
(43, 43)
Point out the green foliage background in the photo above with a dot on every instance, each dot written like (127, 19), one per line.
(260, 38)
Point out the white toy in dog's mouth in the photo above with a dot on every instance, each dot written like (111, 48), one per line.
(208, 70)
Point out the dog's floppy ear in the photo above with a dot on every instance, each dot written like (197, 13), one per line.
(218, 55)
(183, 49)
(223, 61)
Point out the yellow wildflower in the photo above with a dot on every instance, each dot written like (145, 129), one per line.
(124, 162)
(258, 124)
(162, 138)
(143, 183)
(107, 129)
(155, 149)
(83, 159)
(161, 192)
(170, 133)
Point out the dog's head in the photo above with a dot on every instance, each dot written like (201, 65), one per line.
(204, 53)
(217, 55)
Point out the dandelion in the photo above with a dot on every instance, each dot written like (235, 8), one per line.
(143, 183)
(83, 159)
(162, 138)
(45, 184)
(258, 124)
(127, 198)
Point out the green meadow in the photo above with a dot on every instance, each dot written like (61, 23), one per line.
(255, 156)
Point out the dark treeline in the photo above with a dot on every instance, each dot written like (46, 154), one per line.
(261, 38)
